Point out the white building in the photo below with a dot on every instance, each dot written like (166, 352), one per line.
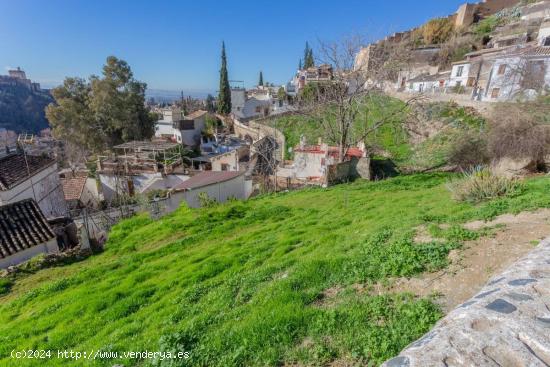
(428, 83)
(32, 177)
(188, 131)
(24, 233)
(522, 72)
(182, 129)
(460, 74)
(220, 186)
(164, 128)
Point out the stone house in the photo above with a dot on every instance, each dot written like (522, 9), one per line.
(24, 233)
(32, 177)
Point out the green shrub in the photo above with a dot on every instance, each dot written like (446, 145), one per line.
(481, 184)
(5, 285)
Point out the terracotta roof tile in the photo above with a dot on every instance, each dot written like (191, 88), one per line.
(22, 226)
(73, 187)
(13, 169)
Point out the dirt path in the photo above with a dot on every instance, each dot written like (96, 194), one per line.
(472, 265)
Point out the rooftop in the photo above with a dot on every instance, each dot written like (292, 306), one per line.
(73, 187)
(207, 178)
(13, 168)
(147, 145)
(22, 226)
(196, 115)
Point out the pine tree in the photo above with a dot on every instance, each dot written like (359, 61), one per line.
(224, 95)
(300, 65)
(261, 81)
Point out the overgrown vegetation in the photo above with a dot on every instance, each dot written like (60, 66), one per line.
(245, 283)
(481, 184)
(391, 137)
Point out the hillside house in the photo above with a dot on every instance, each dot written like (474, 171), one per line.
(24, 233)
(315, 74)
(182, 129)
(220, 186)
(522, 72)
(80, 192)
(246, 107)
(429, 83)
(320, 164)
(32, 177)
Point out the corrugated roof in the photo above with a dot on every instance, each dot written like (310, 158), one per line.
(207, 178)
(13, 168)
(73, 187)
(22, 226)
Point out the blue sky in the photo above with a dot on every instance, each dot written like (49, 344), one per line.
(175, 45)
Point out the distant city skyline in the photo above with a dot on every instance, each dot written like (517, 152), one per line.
(175, 46)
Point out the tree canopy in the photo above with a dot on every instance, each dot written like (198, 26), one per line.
(102, 111)
(224, 95)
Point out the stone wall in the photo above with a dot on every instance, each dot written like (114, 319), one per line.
(506, 324)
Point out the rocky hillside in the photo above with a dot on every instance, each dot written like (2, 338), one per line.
(22, 109)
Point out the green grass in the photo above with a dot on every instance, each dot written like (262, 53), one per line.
(243, 283)
(391, 137)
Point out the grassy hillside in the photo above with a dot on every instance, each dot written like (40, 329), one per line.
(391, 137)
(270, 281)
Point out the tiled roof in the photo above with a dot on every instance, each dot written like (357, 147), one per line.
(22, 225)
(195, 115)
(13, 169)
(73, 187)
(537, 51)
(207, 178)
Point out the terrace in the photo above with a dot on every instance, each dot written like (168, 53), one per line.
(138, 157)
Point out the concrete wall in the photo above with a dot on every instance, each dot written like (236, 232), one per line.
(231, 159)
(48, 192)
(308, 164)
(27, 254)
(237, 187)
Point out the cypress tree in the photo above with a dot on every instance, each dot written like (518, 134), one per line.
(300, 65)
(224, 96)
(310, 60)
(306, 55)
(261, 81)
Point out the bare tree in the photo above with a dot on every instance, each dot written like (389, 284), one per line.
(343, 102)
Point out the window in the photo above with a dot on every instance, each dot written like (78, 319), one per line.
(501, 69)
(495, 92)
(546, 41)
(225, 167)
(459, 71)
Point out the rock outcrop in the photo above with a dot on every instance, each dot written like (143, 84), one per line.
(506, 324)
